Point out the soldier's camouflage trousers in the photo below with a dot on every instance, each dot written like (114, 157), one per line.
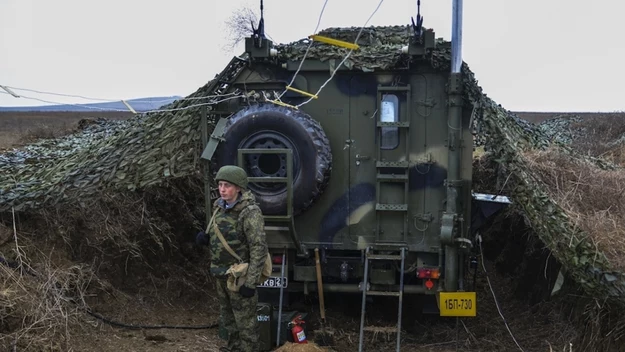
(238, 315)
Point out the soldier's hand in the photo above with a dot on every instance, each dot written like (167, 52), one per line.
(247, 292)
(201, 239)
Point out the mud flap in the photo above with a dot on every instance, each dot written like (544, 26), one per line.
(431, 304)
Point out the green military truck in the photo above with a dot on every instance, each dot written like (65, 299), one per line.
(359, 152)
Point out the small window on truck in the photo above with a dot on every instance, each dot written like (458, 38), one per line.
(389, 113)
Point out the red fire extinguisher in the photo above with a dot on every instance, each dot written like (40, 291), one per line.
(299, 336)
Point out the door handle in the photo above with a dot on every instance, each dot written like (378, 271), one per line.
(361, 157)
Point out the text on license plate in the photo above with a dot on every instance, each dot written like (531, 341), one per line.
(457, 304)
(275, 282)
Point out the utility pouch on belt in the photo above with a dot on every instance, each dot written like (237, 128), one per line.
(237, 273)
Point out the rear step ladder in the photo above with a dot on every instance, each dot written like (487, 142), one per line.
(365, 292)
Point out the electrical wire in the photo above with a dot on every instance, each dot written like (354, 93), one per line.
(61, 94)
(479, 240)
(146, 327)
(78, 105)
(197, 105)
(104, 100)
(344, 59)
(199, 98)
(229, 96)
(307, 49)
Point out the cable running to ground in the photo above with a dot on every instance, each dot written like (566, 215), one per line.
(479, 240)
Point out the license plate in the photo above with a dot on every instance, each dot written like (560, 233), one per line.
(457, 304)
(275, 282)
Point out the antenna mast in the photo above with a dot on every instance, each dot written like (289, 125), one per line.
(259, 34)
(418, 27)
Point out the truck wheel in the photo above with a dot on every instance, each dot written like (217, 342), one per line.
(269, 126)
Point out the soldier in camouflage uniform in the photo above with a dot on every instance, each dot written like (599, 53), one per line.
(241, 223)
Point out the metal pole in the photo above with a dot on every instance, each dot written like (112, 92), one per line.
(454, 143)
(401, 298)
(206, 164)
(281, 295)
(365, 281)
(456, 37)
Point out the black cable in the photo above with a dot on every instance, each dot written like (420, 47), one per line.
(146, 327)
(474, 279)
(16, 265)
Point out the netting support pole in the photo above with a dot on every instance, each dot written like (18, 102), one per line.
(206, 164)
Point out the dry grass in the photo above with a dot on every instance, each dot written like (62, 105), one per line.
(38, 302)
(602, 134)
(591, 197)
(128, 244)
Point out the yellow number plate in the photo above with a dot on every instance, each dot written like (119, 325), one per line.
(457, 304)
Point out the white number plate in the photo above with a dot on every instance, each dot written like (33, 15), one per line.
(275, 282)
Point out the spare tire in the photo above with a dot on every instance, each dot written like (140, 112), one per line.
(271, 126)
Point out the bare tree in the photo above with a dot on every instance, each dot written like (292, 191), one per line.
(239, 26)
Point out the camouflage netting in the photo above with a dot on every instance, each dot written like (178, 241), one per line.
(151, 148)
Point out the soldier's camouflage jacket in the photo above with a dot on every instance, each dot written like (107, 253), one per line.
(242, 225)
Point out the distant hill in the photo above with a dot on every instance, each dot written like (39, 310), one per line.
(139, 104)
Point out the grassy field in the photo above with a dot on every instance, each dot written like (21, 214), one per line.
(19, 128)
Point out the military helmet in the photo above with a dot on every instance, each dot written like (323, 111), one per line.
(232, 174)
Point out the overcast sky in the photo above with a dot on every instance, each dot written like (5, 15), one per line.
(536, 55)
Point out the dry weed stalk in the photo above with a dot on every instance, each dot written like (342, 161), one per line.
(602, 135)
(41, 304)
(590, 196)
(37, 302)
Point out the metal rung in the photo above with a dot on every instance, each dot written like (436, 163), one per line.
(391, 207)
(392, 164)
(383, 293)
(393, 124)
(380, 329)
(384, 257)
(381, 245)
(393, 88)
(302, 92)
(277, 218)
(392, 177)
